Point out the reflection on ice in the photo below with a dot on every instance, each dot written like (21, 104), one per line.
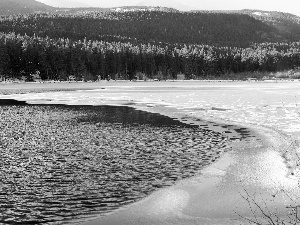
(272, 164)
(169, 202)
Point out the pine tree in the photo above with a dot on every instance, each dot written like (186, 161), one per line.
(4, 62)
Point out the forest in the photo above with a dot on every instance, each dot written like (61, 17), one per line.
(115, 45)
(219, 29)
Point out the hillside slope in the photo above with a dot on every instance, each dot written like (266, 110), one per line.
(8, 7)
(148, 26)
(286, 23)
(65, 3)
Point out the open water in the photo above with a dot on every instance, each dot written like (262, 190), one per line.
(61, 164)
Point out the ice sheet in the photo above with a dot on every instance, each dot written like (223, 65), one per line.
(212, 198)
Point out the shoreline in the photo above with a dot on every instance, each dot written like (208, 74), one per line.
(183, 210)
(220, 187)
(189, 162)
(33, 87)
(281, 148)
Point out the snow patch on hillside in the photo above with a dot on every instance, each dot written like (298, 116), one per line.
(166, 3)
(261, 14)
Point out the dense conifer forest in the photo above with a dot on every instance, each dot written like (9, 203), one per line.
(142, 44)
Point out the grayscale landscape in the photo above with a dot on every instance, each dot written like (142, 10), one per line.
(148, 114)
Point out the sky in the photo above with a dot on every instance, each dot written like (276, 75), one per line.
(290, 6)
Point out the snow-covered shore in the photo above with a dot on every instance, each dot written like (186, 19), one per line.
(255, 168)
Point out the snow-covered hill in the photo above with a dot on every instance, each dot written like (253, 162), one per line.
(166, 3)
(64, 3)
(9, 7)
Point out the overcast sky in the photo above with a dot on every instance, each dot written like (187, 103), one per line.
(291, 6)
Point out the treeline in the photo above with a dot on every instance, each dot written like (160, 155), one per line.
(220, 29)
(58, 58)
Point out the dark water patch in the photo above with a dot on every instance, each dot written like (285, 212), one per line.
(129, 103)
(60, 163)
(11, 102)
(115, 114)
(232, 132)
(244, 132)
(218, 109)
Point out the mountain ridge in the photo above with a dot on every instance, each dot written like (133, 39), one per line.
(64, 3)
(221, 26)
(9, 7)
(166, 3)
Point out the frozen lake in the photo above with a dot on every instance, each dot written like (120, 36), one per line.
(273, 104)
(272, 109)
